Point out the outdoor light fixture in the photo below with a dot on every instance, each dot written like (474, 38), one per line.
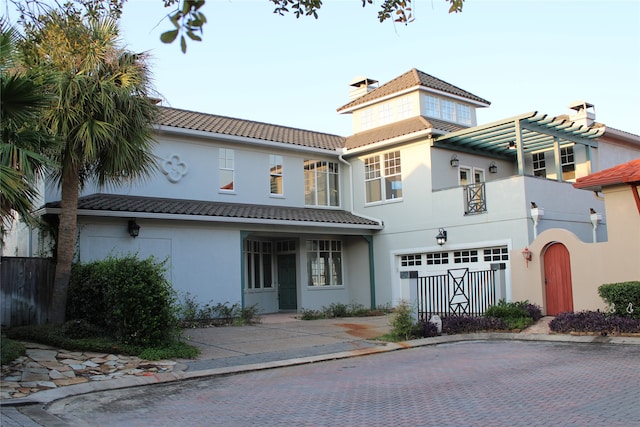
(512, 145)
(527, 255)
(134, 229)
(454, 161)
(493, 168)
(441, 238)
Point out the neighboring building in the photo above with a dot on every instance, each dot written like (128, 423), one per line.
(564, 272)
(290, 219)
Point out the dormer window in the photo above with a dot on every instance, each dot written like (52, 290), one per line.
(445, 109)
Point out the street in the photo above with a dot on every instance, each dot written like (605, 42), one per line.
(488, 383)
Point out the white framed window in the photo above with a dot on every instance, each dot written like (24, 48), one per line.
(404, 108)
(383, 177)
(438, 258)
(324, 262)
(432, 106)
(567, 162)
(367, 118)
(463, 114)
(321, 183)
(258, 264)
(460, 257)
(465, 175)
(539, 165)
(496, 254)
(448, 110)
(410, 260)
(227, 169)
(385, 113)
(276, 175)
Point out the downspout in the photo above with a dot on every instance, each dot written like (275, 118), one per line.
(243, 236)
(369, 239)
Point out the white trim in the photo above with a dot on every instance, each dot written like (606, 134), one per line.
(388, 142)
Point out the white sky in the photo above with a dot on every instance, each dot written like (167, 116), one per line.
(520, 55)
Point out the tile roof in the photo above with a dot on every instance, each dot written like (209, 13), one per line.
(393, 130)
(155, 205)
(626, 173)
(410, 79)
(192, 120)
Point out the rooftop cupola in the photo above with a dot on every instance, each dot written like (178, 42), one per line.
(361, 86)
(585, 113)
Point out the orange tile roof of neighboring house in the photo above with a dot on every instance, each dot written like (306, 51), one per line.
(192, 120)
(163, 206)
(626, 173)
(413, 78)
(393, 130)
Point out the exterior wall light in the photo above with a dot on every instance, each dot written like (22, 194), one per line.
(527, 255)
(512, 145)
(441, 238)
(454, 161)
(493, 168)
(134, 229)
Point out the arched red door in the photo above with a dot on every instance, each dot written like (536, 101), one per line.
(557, 279)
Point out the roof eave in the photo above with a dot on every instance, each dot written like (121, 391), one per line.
(210, 219)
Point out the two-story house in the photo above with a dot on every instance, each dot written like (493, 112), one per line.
(289, 219)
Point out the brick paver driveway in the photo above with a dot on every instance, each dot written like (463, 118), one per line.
(464, 384)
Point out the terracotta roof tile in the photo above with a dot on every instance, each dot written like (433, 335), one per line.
(412, 78)
(393, 130)
(192, 120)
(626, 173)
(154, 205)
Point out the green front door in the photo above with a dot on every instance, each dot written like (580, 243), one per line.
(287, 299)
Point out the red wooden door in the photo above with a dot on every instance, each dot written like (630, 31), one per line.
(557, 279)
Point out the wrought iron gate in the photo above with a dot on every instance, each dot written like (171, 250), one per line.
(457, 293)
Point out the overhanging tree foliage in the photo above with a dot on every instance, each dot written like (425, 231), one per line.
(188, 20)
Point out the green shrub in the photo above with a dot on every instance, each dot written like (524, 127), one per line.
(516, 315)
(505, 310)
(127, 297)
(403, 326)
(623, 298)
(10, 350)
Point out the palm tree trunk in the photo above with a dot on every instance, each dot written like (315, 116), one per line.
(66, 246)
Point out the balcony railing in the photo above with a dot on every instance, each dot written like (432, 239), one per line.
(475, 199)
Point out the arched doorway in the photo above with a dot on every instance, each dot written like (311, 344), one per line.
(557, 279)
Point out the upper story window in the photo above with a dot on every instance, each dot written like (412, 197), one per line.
(321, 180)
(432, 106)
(368, 118)
(275, 174)
(539, 165)
(463, 114)
(404, 108)
(385, 113)
(446, 109)
(383, 177)
(324, 262)
(226, 169)
(568, 163)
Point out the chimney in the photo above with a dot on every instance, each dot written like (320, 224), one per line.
(361, 86)
(585, 113)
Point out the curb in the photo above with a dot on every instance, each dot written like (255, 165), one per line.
(48, 398)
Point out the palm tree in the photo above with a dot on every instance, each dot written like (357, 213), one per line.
(23, 143)
(102, 116)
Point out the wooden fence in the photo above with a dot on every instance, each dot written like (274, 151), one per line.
(26, 285)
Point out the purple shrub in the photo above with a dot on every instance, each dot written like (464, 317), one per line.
(593, 321)
(467, 324)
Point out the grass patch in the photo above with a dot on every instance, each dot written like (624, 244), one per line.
(55, 336)
(10, 350)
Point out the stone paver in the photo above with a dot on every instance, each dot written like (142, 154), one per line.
(475, 383)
